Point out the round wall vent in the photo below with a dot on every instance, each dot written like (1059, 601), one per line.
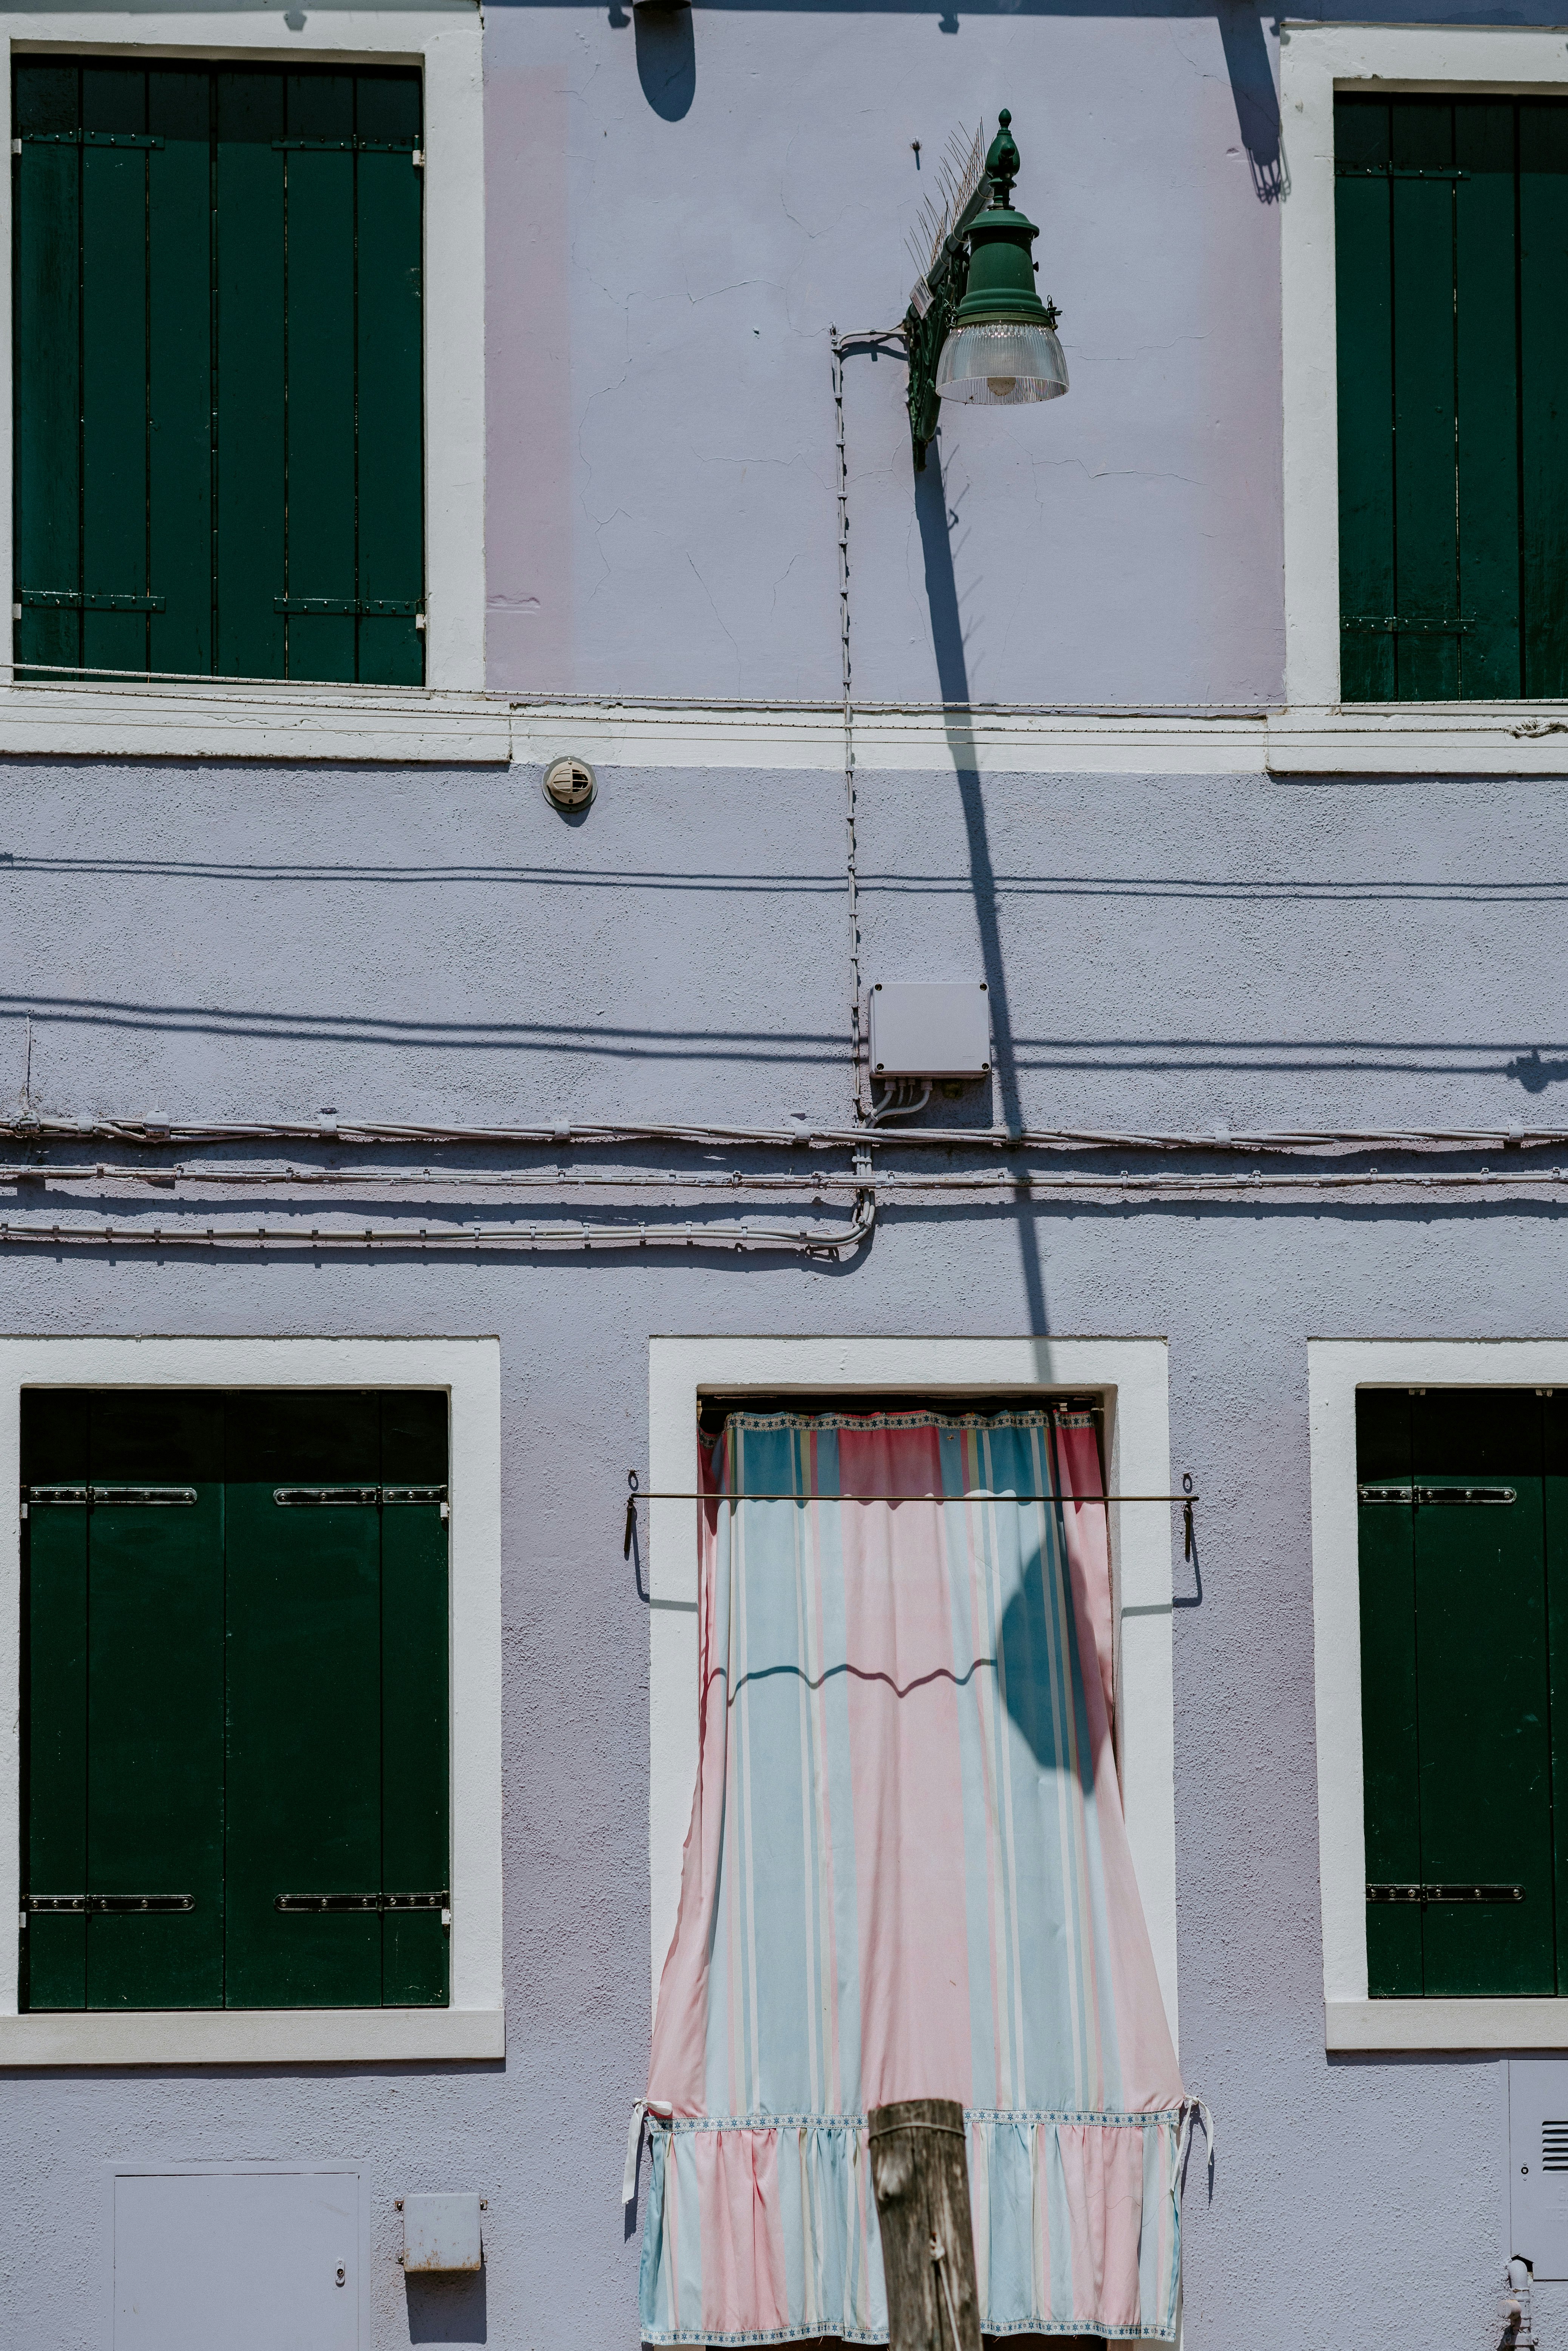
(569, 783)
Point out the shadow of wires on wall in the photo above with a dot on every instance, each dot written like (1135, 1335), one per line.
(666, 57)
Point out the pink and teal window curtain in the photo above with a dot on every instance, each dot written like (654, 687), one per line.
(907, 1875)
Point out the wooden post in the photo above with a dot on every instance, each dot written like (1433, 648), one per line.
(920, 2177)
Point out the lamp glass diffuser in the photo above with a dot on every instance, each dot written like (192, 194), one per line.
(1002, 349)
(1002, 365)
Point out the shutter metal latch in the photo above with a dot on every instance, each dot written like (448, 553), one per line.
(1426, 1494)
(1425, 1894)
(162, 1497)
(362, 1901)
(329, 1496)
(76, 1905)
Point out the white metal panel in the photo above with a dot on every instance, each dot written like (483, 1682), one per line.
(1538, 2162)
(441, 2232)
(253, 2260)
(930, 1029)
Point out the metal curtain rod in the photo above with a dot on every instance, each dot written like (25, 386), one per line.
(1188, 1499)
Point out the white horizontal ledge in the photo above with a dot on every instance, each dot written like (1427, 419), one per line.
(391, 725)
(1371, 2024)
(199, 720)
(228, 2036)
(1416, 739)
(918, 739)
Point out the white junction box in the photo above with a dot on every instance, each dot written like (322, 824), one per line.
(440, 2234)
(930, 1029)
(1538, 2163)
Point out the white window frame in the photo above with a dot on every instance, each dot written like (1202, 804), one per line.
(445, 45)
(1336, 1368)
(1131, 1375)
(1316, 60)
(474, 2025)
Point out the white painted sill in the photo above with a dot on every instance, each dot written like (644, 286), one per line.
(217, 720)
(1373, 2024)
(293, 2036)
(411, 726)
(1420, 738)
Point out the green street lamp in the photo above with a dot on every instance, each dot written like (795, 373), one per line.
(977, 329)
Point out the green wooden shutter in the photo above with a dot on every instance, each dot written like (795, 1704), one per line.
(124, 1701)
(416, 1770)
(53, 1858)
(237, 1704)
(1390, 1768)
(1458, 1784)
(218, 338)
(1451, 265)
(155, 1700)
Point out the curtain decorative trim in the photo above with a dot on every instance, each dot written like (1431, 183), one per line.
(767, 2233)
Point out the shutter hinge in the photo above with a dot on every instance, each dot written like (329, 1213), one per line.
(1425, 1495)
(351, 1496)
(417, 159)
(1425, 1894)
(78, 1905)
(377, 1902)
(99, 1496)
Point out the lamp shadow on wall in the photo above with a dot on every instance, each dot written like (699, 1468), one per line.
(666, 57)
(953, 682)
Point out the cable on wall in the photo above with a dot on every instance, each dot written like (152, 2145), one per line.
(867, 338)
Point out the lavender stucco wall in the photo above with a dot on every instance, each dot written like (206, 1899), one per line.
(1170, 951)
(218, 940)
(661, 422)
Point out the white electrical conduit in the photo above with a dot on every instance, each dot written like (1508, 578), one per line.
(833, 1242)
(430, 1181)
(158, 1133)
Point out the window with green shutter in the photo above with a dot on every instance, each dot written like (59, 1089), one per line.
(234, 1701)
(218, 370)
(1452, 264)
(1463, 1513)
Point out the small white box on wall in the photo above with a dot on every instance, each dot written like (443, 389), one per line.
(930, 1029)
(441, 2233)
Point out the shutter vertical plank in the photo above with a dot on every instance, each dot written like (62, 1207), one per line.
(1365, 345)
(1554, 1463)
(156, 1704)
(179, 366)
(1543, 345)
(415, 1738)
(1427, 662)
(304, 1697)
(249, 336)
(320, 360)
(388, 371)
(1390, 1760)
(1485, 1754)
(55, 1452)
(114, 366)
(47, 183)
(1484, 315)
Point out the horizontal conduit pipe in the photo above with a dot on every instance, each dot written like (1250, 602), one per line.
(158, 1134)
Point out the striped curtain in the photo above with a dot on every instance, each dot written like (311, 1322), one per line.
(908, 1876)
